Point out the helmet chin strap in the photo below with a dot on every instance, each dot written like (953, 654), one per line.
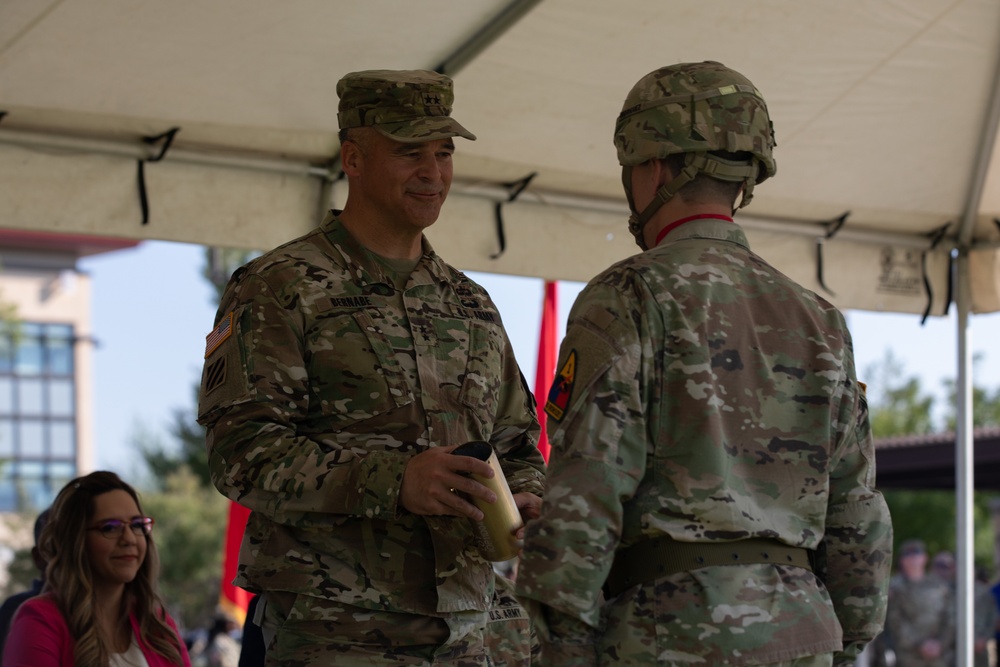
(693, 164)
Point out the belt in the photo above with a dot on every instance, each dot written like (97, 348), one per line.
(663, 556)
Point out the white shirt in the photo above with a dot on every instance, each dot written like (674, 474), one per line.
(133, 657)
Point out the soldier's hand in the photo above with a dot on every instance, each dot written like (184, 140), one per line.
(434, 481)
(530, 507)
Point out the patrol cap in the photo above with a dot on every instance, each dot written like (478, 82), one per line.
(406, 105)
(912, 548)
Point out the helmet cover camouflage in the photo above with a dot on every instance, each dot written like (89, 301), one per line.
(406, 105)
(695, 108)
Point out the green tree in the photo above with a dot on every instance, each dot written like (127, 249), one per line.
(899, 406)
(187, 451)
(220, 264)
(21, 570)
(190, 537)
(985, 404)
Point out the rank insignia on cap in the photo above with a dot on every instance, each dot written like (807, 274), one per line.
(555, 406)
(219, 335)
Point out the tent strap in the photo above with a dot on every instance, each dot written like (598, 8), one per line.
(167, 138)
(832, 227)
(514, 189)
(935, 236)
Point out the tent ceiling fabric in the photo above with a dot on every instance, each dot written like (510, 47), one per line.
(880, 109)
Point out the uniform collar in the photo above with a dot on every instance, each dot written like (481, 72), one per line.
(716, 227)
(335, 232)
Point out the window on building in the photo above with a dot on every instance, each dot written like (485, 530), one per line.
(38, 443)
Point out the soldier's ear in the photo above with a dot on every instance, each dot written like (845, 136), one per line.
(351, 158)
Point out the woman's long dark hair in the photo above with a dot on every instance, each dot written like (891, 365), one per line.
(69, 577)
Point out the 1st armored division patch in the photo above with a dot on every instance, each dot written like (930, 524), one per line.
(562, 388)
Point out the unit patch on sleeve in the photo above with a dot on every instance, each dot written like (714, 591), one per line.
(219, 334)
(215, 375)
(562, 388)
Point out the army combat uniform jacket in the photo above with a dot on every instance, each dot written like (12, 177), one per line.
(704, 396)
(919, 611)
(321, 381)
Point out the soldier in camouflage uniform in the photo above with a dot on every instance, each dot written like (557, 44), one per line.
(921, 617)
(344, 368)
(709, 497)
(985, 619)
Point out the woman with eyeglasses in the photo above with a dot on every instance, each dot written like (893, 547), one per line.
(99, 607)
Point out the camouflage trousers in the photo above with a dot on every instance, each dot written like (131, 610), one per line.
(305, 631)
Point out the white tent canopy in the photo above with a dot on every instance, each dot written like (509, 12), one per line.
(885, 113)
(882, 110)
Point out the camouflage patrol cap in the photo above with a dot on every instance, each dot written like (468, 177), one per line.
(696, 108)
(406, 105)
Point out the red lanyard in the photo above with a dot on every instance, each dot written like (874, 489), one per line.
(677, 223)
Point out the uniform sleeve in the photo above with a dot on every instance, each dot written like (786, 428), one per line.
(598, 437)
(255, 392)
(855, 555)
(35, 639)
(516, 430)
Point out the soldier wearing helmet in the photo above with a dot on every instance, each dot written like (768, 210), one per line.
(710, 493)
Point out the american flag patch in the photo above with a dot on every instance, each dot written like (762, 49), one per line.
(219, 334)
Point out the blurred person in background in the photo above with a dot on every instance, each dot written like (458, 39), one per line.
(985, 621)
(221, 647)
(11, 604)
(920, 620)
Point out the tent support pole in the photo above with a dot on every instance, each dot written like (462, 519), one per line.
(964, 481)
(485, 36)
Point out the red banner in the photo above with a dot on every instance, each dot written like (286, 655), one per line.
(547, 353)
(232, 599)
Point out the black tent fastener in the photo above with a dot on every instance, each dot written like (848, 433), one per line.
(832, 228)
(935, 236)
(167, 138)
(515, 188)
(2, 114)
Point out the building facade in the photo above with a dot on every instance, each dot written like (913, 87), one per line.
(46, 345)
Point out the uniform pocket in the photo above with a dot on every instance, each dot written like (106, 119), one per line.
(483, 370)
(355, 373)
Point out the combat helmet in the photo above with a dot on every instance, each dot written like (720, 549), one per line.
(694, 109)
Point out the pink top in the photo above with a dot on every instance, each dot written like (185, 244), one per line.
(39, 637)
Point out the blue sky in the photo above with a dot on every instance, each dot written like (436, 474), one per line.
(152, 310)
